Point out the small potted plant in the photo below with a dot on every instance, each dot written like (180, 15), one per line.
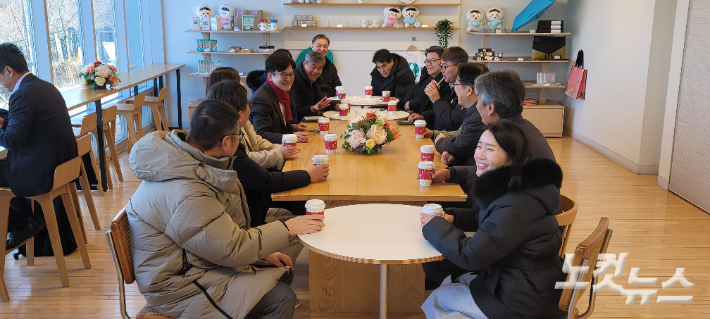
(443, 30)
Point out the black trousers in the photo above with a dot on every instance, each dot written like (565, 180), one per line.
(435, 272)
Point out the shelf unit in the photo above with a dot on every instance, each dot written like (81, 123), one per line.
(208, 55)
(548, 116)
(361, 28)
(371, 4)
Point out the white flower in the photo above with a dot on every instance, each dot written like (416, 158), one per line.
(356, 138)
(85, 69)
(103, 71)
(378, 134)
(100, 81)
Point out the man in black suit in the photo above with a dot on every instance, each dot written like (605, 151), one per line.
(36, 131)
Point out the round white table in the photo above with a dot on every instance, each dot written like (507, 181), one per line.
(373, 234)
(359, 111)
(374, 101)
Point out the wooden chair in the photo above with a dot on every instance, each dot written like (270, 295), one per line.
(132, 114)
(586, 254)
(566, 219)
(88, 125)
(119, 242)
(157, 107)
(109, 122)
(64, 176)
(84, 145)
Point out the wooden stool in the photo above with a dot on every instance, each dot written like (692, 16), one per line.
(109, 122)
(88, 125)
(157, 107)
(132, 113)
(64, 176)
(119, 242)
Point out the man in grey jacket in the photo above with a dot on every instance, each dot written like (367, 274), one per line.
(194, 254)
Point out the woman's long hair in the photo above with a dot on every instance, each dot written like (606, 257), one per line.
(514, 142)
(222, 73)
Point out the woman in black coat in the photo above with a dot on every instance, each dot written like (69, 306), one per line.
(514, 251)
(391, 73)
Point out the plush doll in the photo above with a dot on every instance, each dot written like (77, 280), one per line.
(410, 17)
(314, 1)
(475, 19)
(392, 15)
(226, 13)
(494, 15)
(204, 11)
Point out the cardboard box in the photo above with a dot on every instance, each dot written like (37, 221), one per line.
(216, 24)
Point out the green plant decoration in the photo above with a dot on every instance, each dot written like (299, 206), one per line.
(443, 32)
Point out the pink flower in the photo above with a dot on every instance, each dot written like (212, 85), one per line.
(356, 138)
(90, 69)
(97, 63)
(113, 68)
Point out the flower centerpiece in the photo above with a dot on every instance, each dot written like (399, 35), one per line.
(97, 75)
(368, 135)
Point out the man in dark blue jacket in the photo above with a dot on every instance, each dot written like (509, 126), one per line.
(36, 131)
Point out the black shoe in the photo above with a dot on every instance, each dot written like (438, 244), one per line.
(32, 228)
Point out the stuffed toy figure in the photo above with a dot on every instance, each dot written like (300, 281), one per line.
(392, 15)
(410, 17)
(494, 15)
(226, 13)
(475, 19)
(204, 11)
(314, 1)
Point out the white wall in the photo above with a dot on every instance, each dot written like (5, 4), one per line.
(676, 66)
(352, 49)
(627, 58)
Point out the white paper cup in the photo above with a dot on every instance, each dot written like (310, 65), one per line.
(331, 143)
(392, 106)
(428, 153)
(368, 91)
(323, 125)
(340, 92)
(385, 96)
(315, 207)
(419, 128)
(432, 209)
(426, 170)
(320, 160)
(289, 140)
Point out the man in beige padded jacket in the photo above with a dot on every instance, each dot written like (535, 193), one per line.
(194, 254)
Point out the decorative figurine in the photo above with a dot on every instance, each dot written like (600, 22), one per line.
(226, 13)
(204, 11)
(494, 15)
(410, 17)
(475, 20)
(392, 15)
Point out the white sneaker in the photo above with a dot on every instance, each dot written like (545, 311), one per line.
(298, 304)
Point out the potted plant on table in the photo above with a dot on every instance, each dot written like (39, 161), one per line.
(368, 135)
(98, 75)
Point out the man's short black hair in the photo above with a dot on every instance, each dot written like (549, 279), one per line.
(468, 72)
(320, 36)
(229, 91)
(434, 49)
(279, 63)
(455, 55)
(211, 122)
(11, 55)
(382, 56)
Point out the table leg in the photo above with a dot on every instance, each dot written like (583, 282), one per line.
(135, 90)
(155, 87)
(179, 99)
(383, 291)
(100, 144)
(160, 82)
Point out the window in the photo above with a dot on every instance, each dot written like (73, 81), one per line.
(16, 20)
(134, 34)
(105, 30)
(65, 41)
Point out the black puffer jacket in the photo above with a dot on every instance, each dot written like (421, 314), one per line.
(330, 78)
(398, 82)
(463, 146)
(259, 183)
(514, 249)
(446, 114)
(307, 93)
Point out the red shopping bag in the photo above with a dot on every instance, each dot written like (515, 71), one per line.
(577, 81)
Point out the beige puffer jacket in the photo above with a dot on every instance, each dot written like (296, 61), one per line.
(190, 223)
(261, 151)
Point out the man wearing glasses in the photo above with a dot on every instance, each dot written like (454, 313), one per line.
(446, 114)
(391, 73)
(416, 100)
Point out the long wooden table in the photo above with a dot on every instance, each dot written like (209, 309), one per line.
(78, 97)
(338, 286)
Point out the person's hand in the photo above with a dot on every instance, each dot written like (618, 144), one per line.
(302, 137)
(440, 175)
(428, 133)
(323, 103)
(279, 260)
(432, 92)
(414, 116)
(306, 224)
(406, 107)
(425, 219)
(447, 158)
(300, 127)
(318, 173)
(447, 217)
(290, 152)
(438, 137)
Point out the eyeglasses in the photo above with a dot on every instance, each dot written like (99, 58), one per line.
(444, 67)
(462, 84)
(431, 61)
(240, 135)
(284, 74)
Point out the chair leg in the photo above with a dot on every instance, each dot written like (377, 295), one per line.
(139, 124)
(4, 215)
(73, 216)
(95, 165)
(75, 200)
(112, 147)
(131, 135)
(163, 116)
(109, 180)
(30, 244)
(84, 182)
(51, 219)
(156, 117)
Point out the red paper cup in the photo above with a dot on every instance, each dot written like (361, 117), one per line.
(315, 207)
(344, 112)
(385, 99)
(341, 95)
(368, 92)
(323, 127)
(392, 107)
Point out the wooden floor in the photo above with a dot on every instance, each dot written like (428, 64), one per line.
(658, 230)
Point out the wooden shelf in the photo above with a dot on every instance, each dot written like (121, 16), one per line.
(361, 28)
(532, 85)
(232, 32)
(371, 4)
(522, 33)
(228, 53)
(525, 61)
